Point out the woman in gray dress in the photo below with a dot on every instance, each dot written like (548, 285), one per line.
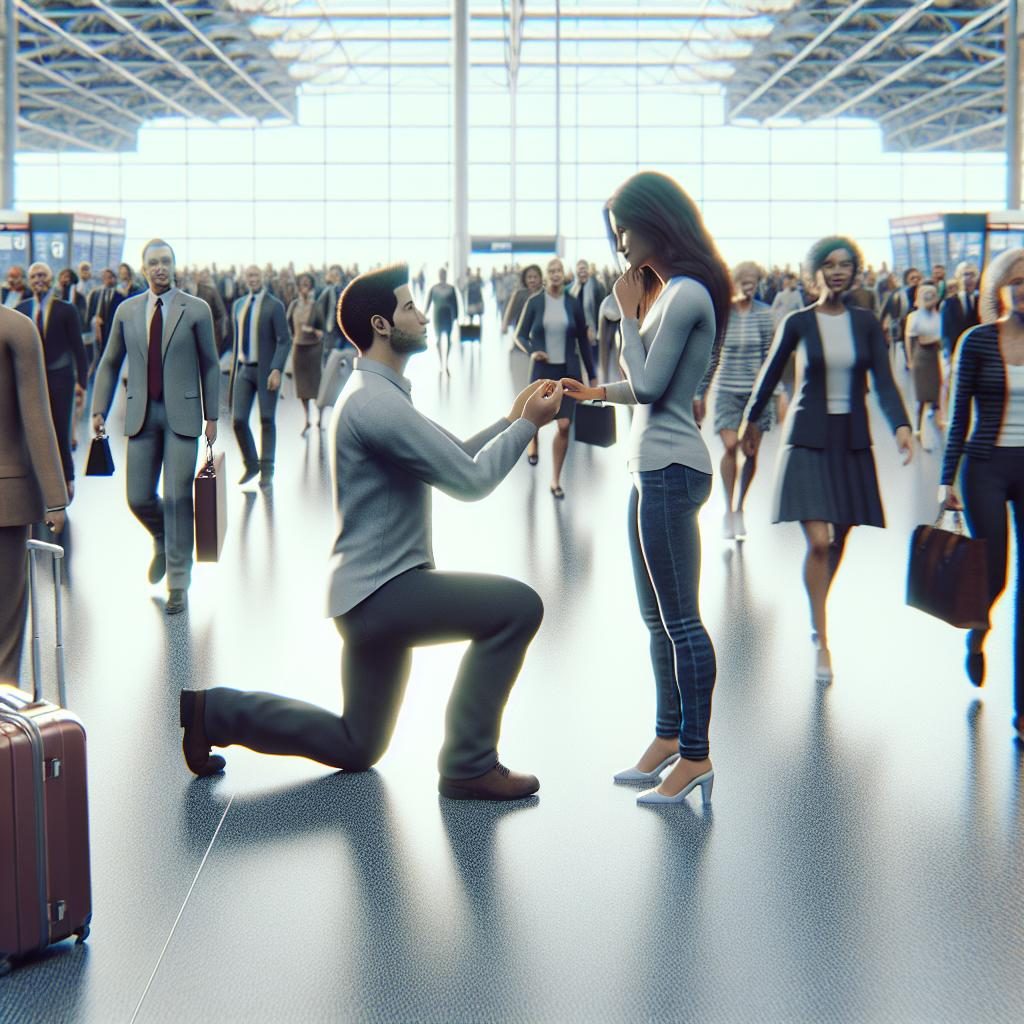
(826, 478)
(306, 325)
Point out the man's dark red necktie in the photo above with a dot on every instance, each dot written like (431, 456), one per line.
(156, 369)
(39, 320)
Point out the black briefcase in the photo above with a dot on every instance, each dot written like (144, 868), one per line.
(469, 332)
(211, 507)
(100, 461)
(595, 423)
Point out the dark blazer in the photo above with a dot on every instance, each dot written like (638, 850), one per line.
(212, 298)
(807, 421)
(980, 377)
(4, 292)
(272, 334)
(104, 306)
(62, 338)
(530, 334)
(955, 321)
(599, 296)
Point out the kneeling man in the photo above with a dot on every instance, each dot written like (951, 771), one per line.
(386, 597)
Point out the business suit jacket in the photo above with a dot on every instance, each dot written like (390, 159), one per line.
(807, 422)
(103, 305)
(273, 339)
(530, 333)
(599, 294)
(190, 364)
(212, 298)
(62, 338)
(31, 475)
(955, 320)
(327, 302)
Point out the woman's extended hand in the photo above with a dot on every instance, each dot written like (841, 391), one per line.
(574, 389)
(905, 443)
(629, 293)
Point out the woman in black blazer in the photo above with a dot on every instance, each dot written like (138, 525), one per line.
(826, 477)
(988, 387)
(554, 311)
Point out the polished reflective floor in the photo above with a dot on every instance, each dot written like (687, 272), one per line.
(863, 860)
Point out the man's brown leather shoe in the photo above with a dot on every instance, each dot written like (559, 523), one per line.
(497, 784)
(194, 744)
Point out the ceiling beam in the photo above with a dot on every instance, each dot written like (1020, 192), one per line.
(872, 44)
(929, 94)
(78, 90)
(87, 115)
(966, 133)
(934, 51)
(88, 51)
(166, 56)
(534, 13)
(194, 29)
(25, 125)
(829, 29)
(941, 112)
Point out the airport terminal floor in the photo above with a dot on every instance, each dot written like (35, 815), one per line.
(863, 858)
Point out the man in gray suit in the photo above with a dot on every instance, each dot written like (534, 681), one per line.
(172, 367)
(261, 349)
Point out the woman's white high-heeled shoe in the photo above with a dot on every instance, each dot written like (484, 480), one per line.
(823, 667)
(635, 775)
(705, 781)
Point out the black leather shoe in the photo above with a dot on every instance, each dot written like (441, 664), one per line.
(194, 744)
(158, 567)
(177, 602)
(497, 784)
(249, 474)
(975, 664)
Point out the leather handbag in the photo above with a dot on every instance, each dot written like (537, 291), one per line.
(100, 461)
(595, 423)
(211, 507)
(948, 575)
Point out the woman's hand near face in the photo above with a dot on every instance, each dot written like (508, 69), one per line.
(629, 293)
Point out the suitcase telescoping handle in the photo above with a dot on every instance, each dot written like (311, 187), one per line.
(34, 547)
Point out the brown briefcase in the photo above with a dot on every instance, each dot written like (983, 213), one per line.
(948, 575)
(211, 507)
(45, 890)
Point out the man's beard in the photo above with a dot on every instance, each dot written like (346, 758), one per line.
(405, 342)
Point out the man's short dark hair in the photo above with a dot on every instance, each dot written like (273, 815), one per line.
(154, 243)
(908, 272)
(369, 295)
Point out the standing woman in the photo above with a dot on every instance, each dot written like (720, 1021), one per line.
(988, 381)
(826, 478)
(306, 325)
(531, 281)
(553, 333)
(924, 333)
(674, 301)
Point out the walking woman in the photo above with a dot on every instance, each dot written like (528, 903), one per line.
(531, 281)
(306, 324)
(674, 300)
(826, 478)
(924, 333)
(988, 384)
(553, 333)
(442, 297)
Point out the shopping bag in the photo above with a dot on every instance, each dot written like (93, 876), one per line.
(211, 507)
(595, 423)
(948, 575)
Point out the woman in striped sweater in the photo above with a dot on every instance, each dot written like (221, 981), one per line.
(989, 376)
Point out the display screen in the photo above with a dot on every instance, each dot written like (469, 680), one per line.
(900, 252)
(964, 246)
(50, 247)
(936, 248)
(918, 252)
(13, 249)
(81, 246)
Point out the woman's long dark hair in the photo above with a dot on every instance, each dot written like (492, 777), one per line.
(657, 207)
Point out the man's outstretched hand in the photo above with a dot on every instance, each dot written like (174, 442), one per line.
(542, 406)
(523, 397)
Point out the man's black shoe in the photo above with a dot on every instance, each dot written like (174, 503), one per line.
(158, 567)
(194, 744)
(250, 472)
(177, 602)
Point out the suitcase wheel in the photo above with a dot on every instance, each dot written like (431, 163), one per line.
(83, 934)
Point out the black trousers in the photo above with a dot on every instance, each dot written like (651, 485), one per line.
(60, 385)
(988, 484)
(499, 617)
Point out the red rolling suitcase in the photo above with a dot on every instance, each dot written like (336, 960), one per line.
(44, 823)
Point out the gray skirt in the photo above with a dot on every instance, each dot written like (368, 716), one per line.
(833, 484)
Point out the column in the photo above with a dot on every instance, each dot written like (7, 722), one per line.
(1013, 106)
(460, 74)
(9, 104)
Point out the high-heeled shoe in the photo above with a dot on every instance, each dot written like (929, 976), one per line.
(823, 666)
(974, 663)
(636, 775)
(705, 781)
